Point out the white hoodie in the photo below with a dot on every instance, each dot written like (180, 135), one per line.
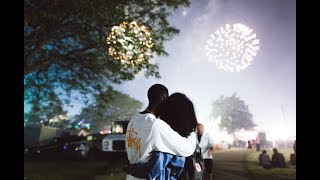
(146, 133)
(205, 143)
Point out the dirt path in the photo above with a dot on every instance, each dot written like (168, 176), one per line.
(230, 165)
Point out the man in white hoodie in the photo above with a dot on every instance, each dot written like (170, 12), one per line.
(205, 142)
(146, 133)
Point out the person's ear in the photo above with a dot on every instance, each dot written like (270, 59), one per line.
(164, 98)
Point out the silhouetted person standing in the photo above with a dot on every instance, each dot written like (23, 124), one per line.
(206, 144)
(249, 145)
(257, 142)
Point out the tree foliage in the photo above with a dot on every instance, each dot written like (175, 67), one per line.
(235, 114)
(107, 107)
(50, 115)
(65, 45)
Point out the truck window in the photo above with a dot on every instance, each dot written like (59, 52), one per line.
(120, 127)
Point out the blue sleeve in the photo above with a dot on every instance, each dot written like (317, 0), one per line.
(163, 166)
(160, 166)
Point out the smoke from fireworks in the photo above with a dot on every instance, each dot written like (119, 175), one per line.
(232, 48)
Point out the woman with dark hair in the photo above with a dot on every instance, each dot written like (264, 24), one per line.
(178, 112)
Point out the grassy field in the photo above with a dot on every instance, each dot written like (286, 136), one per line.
(112, 169)
(74, 170)
(257, 172)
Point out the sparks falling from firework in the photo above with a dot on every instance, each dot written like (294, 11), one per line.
(232, 48)
(129, 43)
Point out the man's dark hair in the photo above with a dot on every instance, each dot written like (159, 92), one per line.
(156, 94)
(275, 150)
(178, 112)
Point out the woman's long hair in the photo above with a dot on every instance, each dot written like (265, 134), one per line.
(178, 112)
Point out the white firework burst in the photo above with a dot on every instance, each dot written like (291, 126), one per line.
(232, 48)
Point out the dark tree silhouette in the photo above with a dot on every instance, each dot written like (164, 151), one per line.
(65, 46)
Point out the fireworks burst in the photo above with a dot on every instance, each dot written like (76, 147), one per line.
(232, 48)
(130, 43)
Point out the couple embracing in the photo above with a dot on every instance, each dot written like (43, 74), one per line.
(160, 139)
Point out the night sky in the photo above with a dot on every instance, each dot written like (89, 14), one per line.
(266, 85)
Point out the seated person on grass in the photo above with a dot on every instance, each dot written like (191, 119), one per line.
(264, 160)
(278, 160)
